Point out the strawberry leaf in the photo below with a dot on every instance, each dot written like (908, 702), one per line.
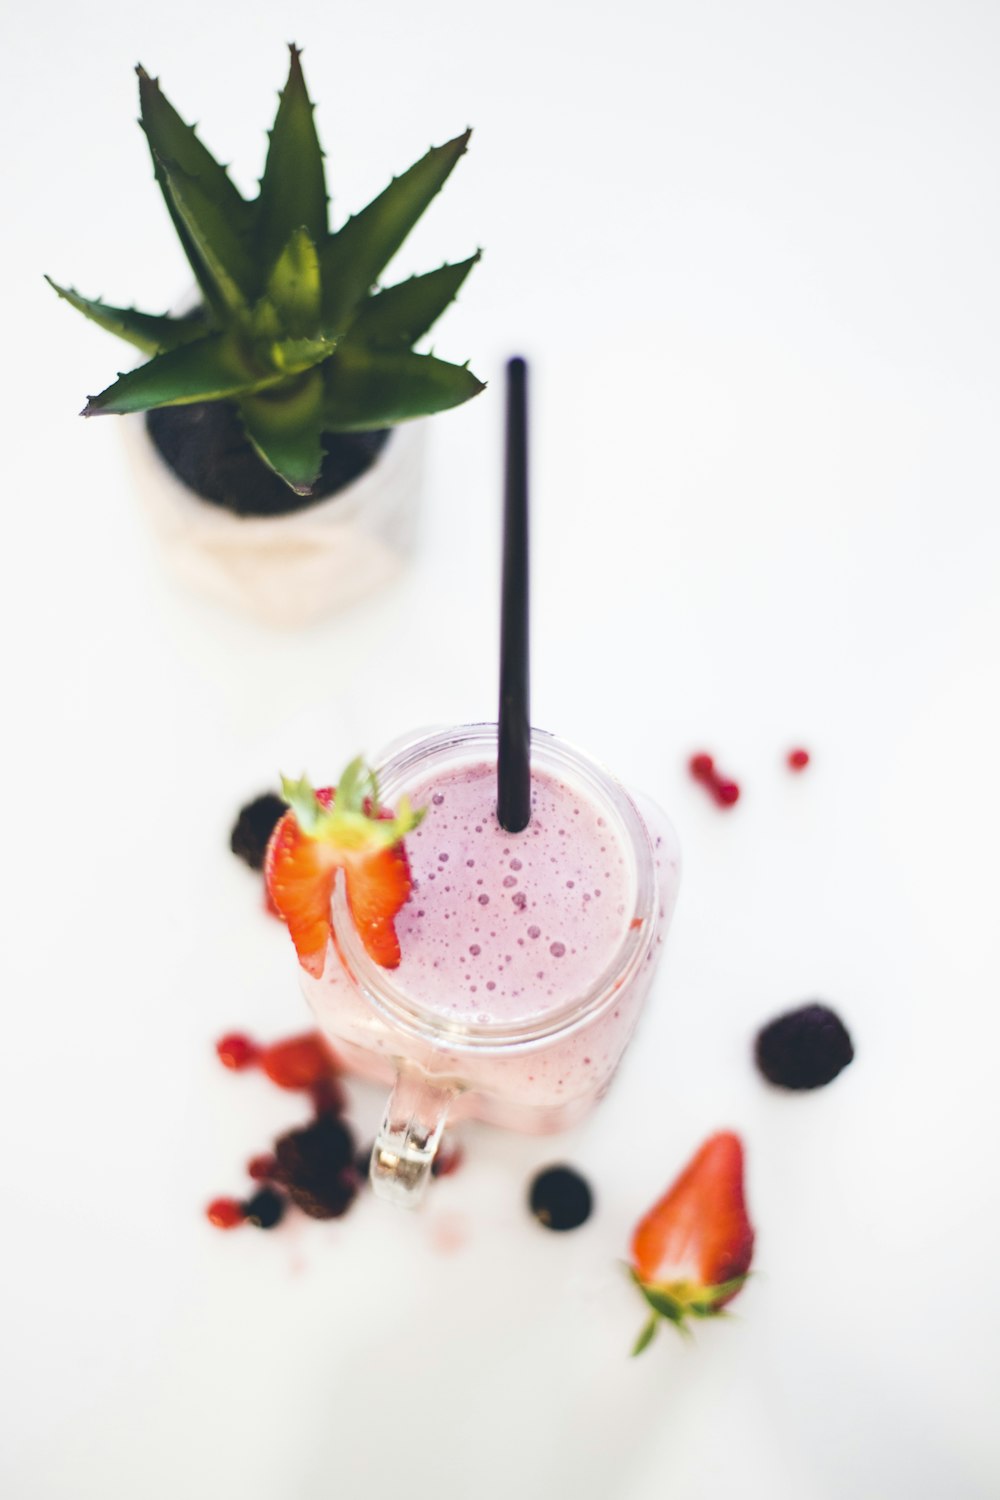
(663, 1303)
(649, 1331)
(303, 801)
(355, 255)
(352, 821)
(293, 187)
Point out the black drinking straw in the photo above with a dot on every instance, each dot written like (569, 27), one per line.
(514, 729)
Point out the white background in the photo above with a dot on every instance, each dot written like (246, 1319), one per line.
(752, 251)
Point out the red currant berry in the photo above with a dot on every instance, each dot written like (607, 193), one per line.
(237, 1051)
(726, 793)
(701, 766)
(798, 759)
(225, 1213)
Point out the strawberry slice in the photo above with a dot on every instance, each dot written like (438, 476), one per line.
(376, 890)
(691, 1252)
(342, 829)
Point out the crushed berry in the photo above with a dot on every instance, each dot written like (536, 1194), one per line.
(447, 1161)
(798, 759)
(315, 1164)
(803, 1049)
(265, 1209)
(262, 1168)
(254, 827)
(237, 1051)
(298, 1063)
(560, 1198)
(328, 1097)
(225, 1213)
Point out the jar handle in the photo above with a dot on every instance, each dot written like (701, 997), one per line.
(408, 1138)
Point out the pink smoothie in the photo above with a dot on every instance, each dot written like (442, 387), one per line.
(549, 937)
(507, 927)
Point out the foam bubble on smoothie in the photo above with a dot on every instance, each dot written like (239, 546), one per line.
(561, 892)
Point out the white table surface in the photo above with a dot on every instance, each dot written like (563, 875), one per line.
(752, 252)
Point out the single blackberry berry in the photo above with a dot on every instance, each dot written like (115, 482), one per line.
(254, 827)
(804, 1049)
(560, 1198)
(316, 1166)
(265, 1209)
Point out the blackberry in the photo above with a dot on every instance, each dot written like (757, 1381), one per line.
(560, 1198)
(254, 827)
(265, 1209)
(804, 1049)
(316, 1166)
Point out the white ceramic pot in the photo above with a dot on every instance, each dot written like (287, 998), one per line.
(287, 570)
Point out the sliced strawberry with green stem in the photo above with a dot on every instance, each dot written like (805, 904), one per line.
(344, 828)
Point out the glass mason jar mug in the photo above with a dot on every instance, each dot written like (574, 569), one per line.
(526, 957)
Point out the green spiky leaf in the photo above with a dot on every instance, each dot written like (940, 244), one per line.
(353, 258)
(172, 141)
(265, 322)
(225, 255)
(149, 332)
(211, 369)
(398, 316)
(294, 355)
(285, 426)
(366, 389)
(293, 286)
(293, 187)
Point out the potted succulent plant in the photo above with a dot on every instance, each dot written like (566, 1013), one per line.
(284, 482)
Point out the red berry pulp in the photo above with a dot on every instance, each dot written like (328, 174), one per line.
(225, 1213)
(237, 1051)
(262, 1168)
(299, 1063)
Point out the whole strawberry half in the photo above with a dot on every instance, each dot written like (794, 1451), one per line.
(343, 828)
(691, 1252)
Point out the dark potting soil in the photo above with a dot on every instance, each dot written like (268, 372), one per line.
(206, 447)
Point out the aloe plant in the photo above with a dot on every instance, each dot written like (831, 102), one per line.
(292, 326)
